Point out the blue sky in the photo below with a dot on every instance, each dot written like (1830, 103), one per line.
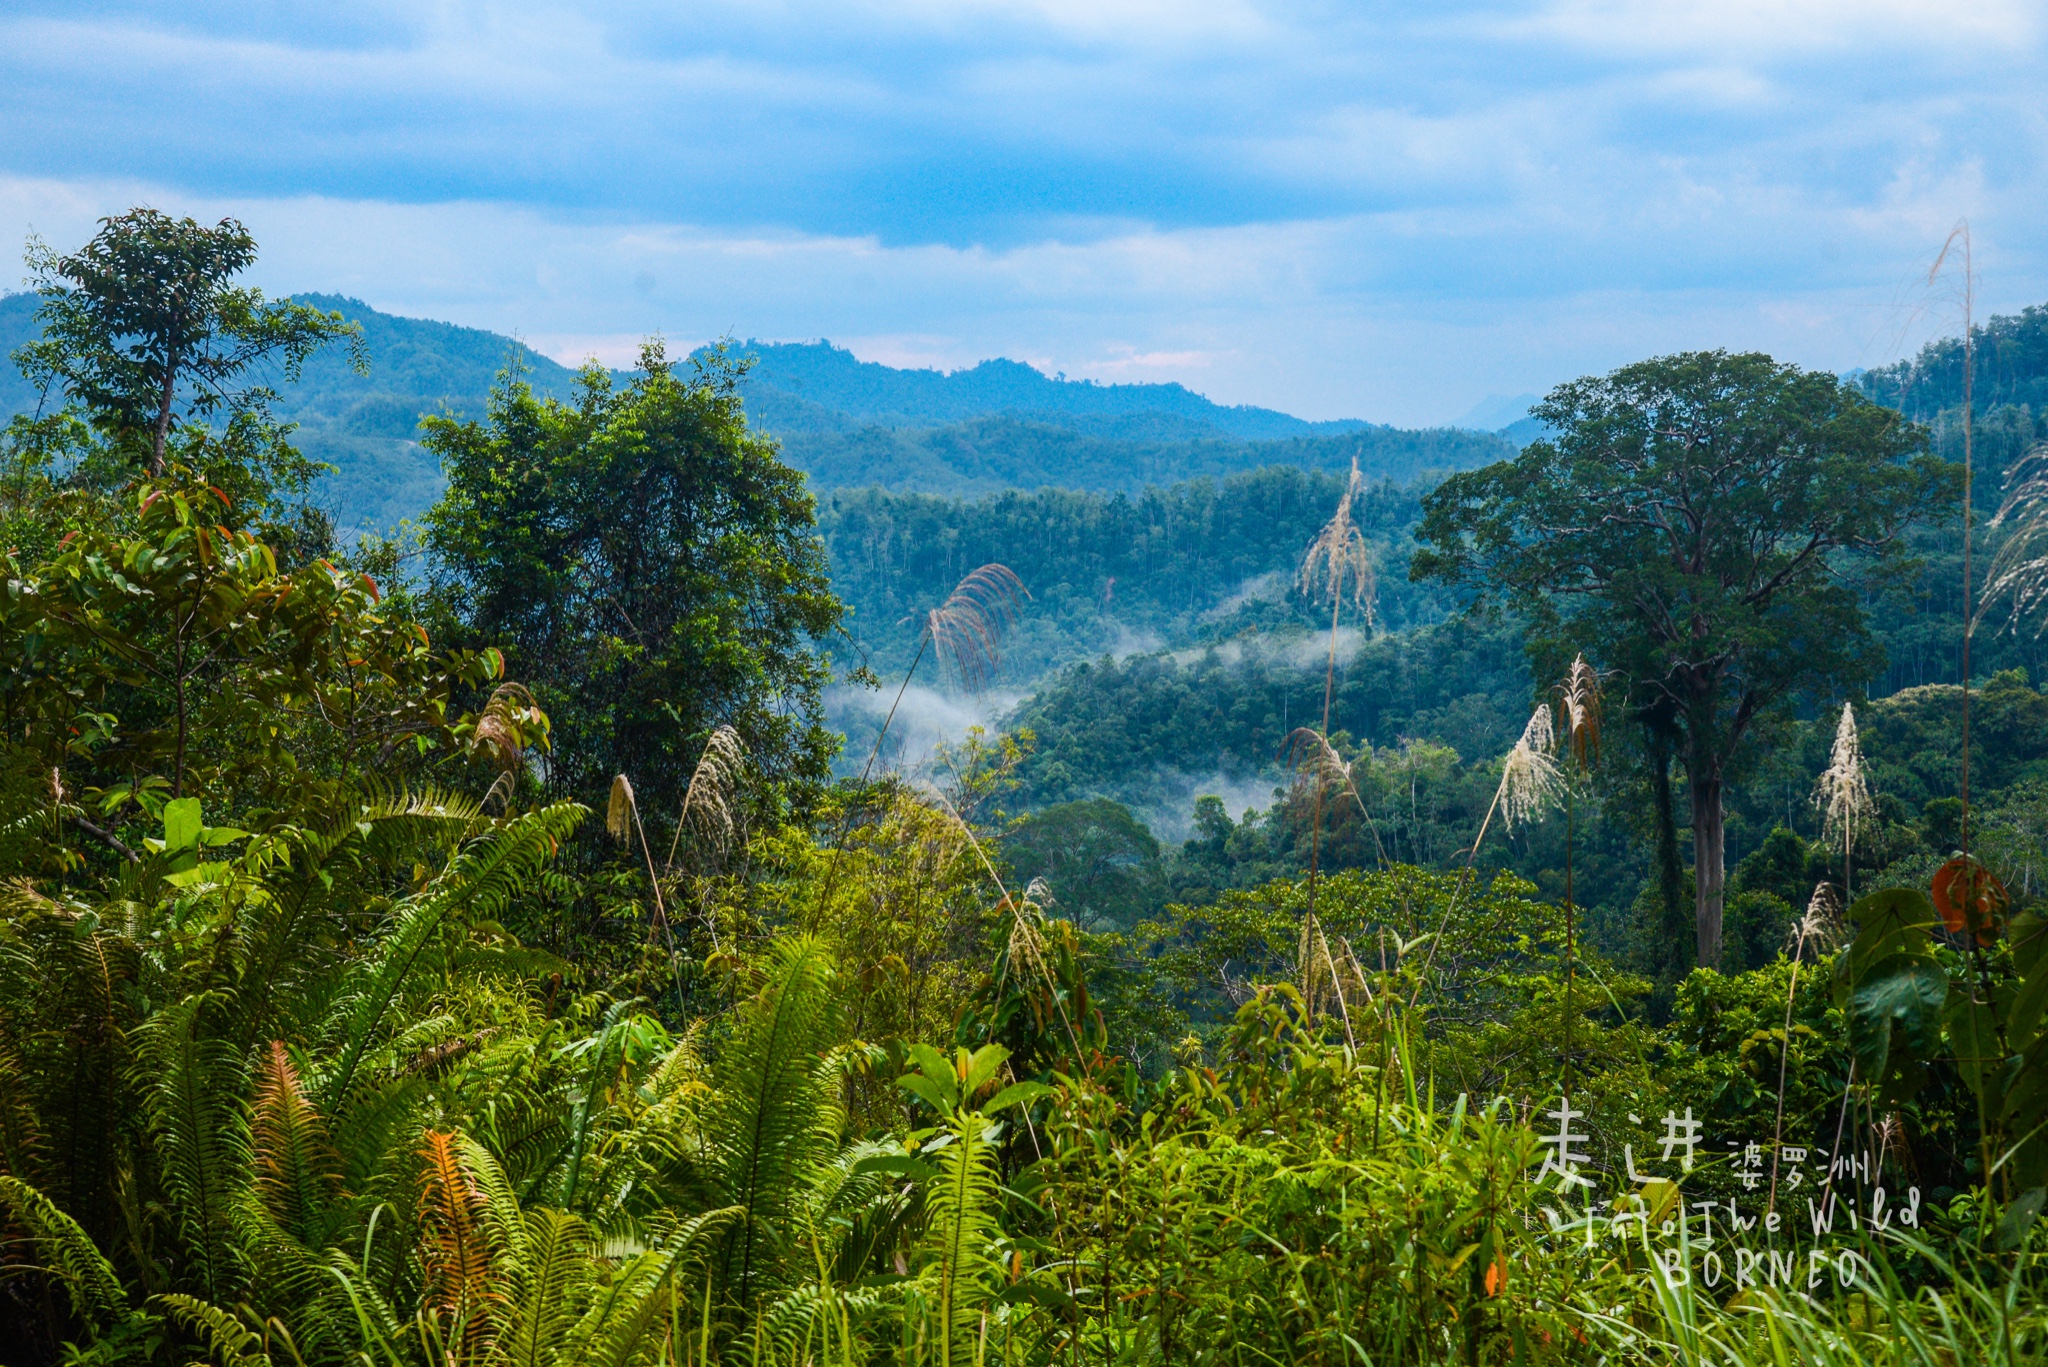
(1343, 210)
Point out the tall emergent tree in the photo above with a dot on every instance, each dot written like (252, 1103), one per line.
(652, 568)
(146, 329)
(1707, 525)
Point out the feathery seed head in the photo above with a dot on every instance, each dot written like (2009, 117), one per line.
(1529, 780)
(618, 813)
(1843, 794)
(707, 805)
(2018, 573)
(1581, 708)
(1820, 924)
(1338, 563)
(1311, 756)
(968, 628)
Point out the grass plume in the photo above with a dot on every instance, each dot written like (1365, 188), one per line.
(1581, 709)
(714, 784)
(2018, 573)
(1820, 923)
(1338, 563)
(1843, 793)
(1529, 785)
(968, 628)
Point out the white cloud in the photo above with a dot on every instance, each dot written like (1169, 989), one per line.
(1385, 212)
(1770, 28)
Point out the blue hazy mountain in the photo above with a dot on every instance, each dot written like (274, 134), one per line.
(829, 379)
(1496, 411)
(845, 422)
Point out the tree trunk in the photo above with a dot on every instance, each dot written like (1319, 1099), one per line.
(1703, 777)
(1673, 964)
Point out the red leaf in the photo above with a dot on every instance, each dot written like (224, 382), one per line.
(1970, 897)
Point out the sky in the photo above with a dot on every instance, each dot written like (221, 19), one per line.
(1384, 211)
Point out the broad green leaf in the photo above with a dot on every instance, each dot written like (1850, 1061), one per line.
(1973, 1035)
(933, 1093)
(1016, 1094)
(902, 1165)
(2019, 1219)
(930, 1061)
(2026, 1091)
(1891, 921)
(2027, 1008)
(181, 823)
(982, 1066)
(1895, 1014)
(2029, 936)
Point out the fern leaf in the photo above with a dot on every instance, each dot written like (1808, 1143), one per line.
(192, 1089)
(229, 1342)
(298, 1172)
(504, 1223)
(21, 1132)
(557, 1273)
(97, 1296)
(962, 1203)
(771, 1119)
(477, 883)
(627, 1314)
(455, 1259)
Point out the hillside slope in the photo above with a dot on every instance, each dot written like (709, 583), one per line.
(845, 422)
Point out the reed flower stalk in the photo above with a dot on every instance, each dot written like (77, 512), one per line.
(1843, 793)
(622, 821)
(1581, 708)
(1818, 923)
(1337, 565)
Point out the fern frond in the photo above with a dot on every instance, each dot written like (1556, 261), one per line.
(962, 1203)
(816, 1322)
(192, 1088)
(97, 1296)
(769, 1121)
(455, 1257)
(21, 1130)
(298, 1171)
(627, 1314)
(377, 1325)
(504, 1223)
(682, 1068)
(861, 1215)
(556, 1274)
(229, 1342)
(477, 883)
(292, 1281)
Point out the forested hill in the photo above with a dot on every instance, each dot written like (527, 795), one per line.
(1110, 573)
(2011, 368)
(843, 421)
(831, 381)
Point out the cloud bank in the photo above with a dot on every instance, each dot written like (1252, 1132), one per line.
(1387, 211)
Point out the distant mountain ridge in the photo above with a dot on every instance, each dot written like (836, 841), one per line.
(845, 422)
(832, 378)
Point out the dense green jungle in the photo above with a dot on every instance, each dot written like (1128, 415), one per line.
(1576, 939)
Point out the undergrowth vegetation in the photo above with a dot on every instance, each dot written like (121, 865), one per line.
(355, 1009)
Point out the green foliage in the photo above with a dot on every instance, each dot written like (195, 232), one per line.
(145, 330)
(650, 570)
(1737, 492)
(279, 1081)
(1098, 861)
(1105, 572)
